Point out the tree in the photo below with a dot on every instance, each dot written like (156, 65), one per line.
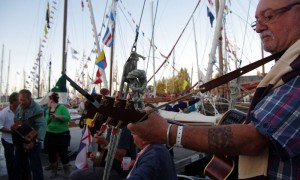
(174, 84)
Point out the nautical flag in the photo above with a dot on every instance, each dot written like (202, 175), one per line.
(73, 51)
(81, 161)
(94, 90)
(98, 77)
(82, 5)
(107, 38)
(185, 83)
(74, 57)
(210, 2)
(45, 30)
(101, 60)
(112, 15)
(48, 15)
(211, 16)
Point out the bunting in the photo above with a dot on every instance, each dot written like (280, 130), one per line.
(107, 38)
(45, 30)
(48, 15)
(74, 53)
(94, 90)
(112, 15)
(101, 60)
(98, 77)
(82, 5)
(211, 16)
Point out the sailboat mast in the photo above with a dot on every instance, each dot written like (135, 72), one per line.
(220, 42)
(220, 52)
(153, 50)
(196, 48)
(112, 48)
(39, 71)
(49, 76)
(64, 51)
(173, 81)
(1, 71)
(8, 70)
(97, 41)
(215, 41)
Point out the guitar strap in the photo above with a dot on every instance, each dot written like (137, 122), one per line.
(286, 67)
(222, 79)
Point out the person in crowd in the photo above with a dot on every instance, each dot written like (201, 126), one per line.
(271, 134)
(125, 147)
(153, 162)
(57, 139)
(81, 109)
(6, 121)
(27, 154)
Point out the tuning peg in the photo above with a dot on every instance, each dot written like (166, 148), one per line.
(115, 130)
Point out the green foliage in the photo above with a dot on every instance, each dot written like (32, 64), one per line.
(174, 84)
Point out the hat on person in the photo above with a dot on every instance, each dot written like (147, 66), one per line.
(54, 96)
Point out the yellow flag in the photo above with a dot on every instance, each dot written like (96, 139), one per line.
(185, 83)
(88, 121)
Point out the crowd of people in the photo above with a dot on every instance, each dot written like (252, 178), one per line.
(267, 144)
(25, 126)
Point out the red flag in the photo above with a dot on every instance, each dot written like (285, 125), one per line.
(98, 77)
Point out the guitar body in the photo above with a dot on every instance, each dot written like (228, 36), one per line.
(100, 157)
(221, 167)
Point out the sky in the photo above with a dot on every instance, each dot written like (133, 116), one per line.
(22, 33)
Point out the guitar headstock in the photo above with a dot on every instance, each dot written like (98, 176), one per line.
(114, 109)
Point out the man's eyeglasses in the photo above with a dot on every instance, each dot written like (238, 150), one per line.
(268, 16)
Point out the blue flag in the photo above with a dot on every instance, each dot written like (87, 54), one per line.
(211, 16)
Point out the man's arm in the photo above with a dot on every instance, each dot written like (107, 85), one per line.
(2, 122)
(222, 140)
(5, 130)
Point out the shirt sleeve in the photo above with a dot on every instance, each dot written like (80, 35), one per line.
(2, 119)
(277, 117)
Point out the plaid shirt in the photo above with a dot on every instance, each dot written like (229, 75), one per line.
(277, 116)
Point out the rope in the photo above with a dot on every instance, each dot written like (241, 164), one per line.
(137, 30)
(151, 45)
(176, 42)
